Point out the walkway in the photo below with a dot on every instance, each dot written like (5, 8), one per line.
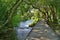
(41, 31)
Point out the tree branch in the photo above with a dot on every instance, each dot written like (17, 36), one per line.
(35, 7)
(11, 11)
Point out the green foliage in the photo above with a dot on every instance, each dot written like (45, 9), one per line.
(15, 20)
(27, 10)
(1, 13)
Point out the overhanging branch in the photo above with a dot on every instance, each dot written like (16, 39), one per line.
(11, 11)
(35, 7)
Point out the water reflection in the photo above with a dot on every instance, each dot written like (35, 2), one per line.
(25, 24)
(23, 29)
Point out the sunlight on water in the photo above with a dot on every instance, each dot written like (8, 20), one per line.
(25, 24)
(23, 29)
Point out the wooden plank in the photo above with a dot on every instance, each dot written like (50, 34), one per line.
(42, 31)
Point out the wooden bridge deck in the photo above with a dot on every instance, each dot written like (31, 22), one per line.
(41, 31)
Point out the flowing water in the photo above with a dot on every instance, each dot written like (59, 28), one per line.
(23, 29)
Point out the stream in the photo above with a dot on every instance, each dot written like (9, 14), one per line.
(23, 29)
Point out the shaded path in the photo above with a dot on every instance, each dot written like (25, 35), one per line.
(41, 31)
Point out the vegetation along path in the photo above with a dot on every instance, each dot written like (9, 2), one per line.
(41, 31)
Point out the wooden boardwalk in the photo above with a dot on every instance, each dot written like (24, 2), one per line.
(41, 31)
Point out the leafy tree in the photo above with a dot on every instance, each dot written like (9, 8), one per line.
(14, 11)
